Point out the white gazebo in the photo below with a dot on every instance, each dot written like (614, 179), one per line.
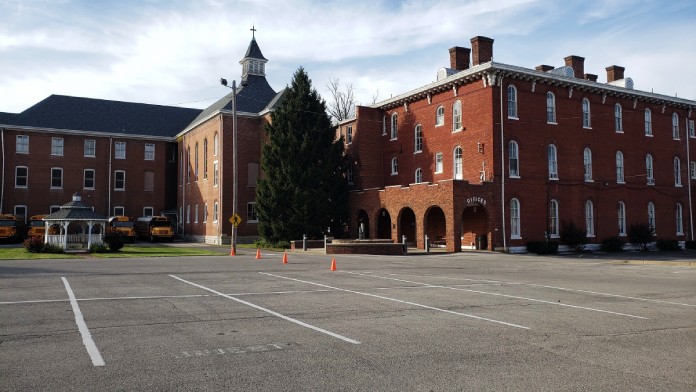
(78, 213)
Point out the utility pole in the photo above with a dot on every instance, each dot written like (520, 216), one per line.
(233, 234)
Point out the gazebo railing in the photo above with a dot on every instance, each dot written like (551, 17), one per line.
(74, 240)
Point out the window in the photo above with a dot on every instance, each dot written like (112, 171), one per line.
(188, 213)
(514, 163)
(120, 150)
(553, 162)
(149, 151)
(349, 174)
(384, 125)
(215, 212)
(677, 172)
(205, 213)
(394, 126)
(515, 219)
(215, 145)
(512, 101)
(57, 146)
(553, 219)
(195, 163)
(675, 126)
(680, 223)
(589, 218)
(438, 163)
(651, 217)
(188, 164)
(149, 181)
(56, 178)
(181, 215)
(440, 116)
(90, 148)
(21, 211)
(252, 174)
(148, 211)
(457, 116)
(418, 138)
(587, 163)
(21, 177)
(550, 108)
(349, 135)
(251, 212)
(205, 159)
(586, 123)
(618, 123)
(649, 169)
(216, 174)
(648, 122)
(622, 218)
(619, 167)
(419, 176)
(88, 179)
(692, 129)
(395, 166)
(119, 211)
(692, 169)
(119, 180)
(458, 153)
(22, 144)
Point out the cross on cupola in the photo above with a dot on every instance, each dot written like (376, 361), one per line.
(253, 32)
(253, 62)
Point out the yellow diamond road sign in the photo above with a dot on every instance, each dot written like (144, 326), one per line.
(235, 220)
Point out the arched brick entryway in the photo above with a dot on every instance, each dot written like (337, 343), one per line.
(363, 224)
(436, 226)
(475, 230)
(384, 224)
(407, 225)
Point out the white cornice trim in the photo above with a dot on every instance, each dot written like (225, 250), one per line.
(85, 133)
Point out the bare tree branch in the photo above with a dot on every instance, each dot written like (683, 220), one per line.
(343, 105)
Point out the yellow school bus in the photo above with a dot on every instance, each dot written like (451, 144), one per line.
(122, 224)
(154, 228)
(37, 227)
(12, 228)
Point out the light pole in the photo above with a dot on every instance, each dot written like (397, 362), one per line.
(233, 242)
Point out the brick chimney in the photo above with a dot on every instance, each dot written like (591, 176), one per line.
(578, 65)
(615, 72)
(591, 77)
(459, 58)
(543, 68)
(481, 49)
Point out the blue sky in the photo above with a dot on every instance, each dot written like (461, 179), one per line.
(174, 52)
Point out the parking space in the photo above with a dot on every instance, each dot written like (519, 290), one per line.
(436, 322)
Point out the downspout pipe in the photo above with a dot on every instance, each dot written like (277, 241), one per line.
(688, 176)
(2, 184)
(502, 166)
(108, 205)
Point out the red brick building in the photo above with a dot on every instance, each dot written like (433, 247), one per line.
(495, 155)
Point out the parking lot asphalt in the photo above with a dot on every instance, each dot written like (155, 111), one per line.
(437, 322)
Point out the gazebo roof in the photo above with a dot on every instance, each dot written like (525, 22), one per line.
(75, 210)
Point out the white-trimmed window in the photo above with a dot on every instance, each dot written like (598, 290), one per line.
(621, 216)
(21, 176)
(589, 218)
(251, 213)
(22, 146)
(586, 115)
(188, 213)
(148, 211)
(181, 215)
(649, 172)
(216, 173)
(515, 219)
(419, 176)
(620, 167)
(692, 129)
(349, 174)
(554, 230)
(216, 144)
(648, 122)
(550, 108)
(553, 162)
(57, 144)
(149, 151)
(384, 125)
(90, 149)
(205, 159)
(458, 163)
(587, 163)
(513, 159)
(21, 211)
(195, 163)
(512, 102)
(651, 217)
(205, 213)
(394, 166)
(88, 179)
(56, 178)
(618, 118)
(394, 126)
(692, 169)
(457, 116)
(440, 116)
(677, 172)
(675, 126)
(215, 212)
(418, 138)
(119, 180)
(349, 135)
(678, 216)
(120, 150)
(439, 167)
(188, 164)
(149, 181)
(119, 211)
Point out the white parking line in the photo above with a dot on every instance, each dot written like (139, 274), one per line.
(87, 340)
(298, 322)
(398, 300)
(498, 295)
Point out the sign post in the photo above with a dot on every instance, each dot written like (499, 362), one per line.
(235, 220)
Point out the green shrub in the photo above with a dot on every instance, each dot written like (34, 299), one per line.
(668, 245)
(612, 244)
(115, 240)
(98, 248)
(261, 243)
(50, 248)
(542, 247)
(34, 244)
(641, 234)
(690, 244)
(573, 236)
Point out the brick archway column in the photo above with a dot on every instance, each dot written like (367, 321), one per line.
(420, 229)
(454, 230)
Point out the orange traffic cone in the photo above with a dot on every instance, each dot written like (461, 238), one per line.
(258, 253)
(285, 257)
(232, 252)
(333, 264)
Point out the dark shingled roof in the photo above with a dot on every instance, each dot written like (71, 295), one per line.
(99, 115)
(6, 118)
(75, 210)
(254, 51)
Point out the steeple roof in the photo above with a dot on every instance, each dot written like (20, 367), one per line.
(253, 51)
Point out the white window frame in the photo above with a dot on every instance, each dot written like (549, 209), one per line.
(90, 148)
(679, 219)
(457, 116)
(554, 229)
(195, 163)
(119, 211)
(384, 125)
(205, 213)
(620, 178)
(394, 126)
(677, 172)
(216, 173)
(618, 118)
(418, 139)
(513, 160)
(440, 116)
(515, 225)
(252, 216)
(649, 170)
(17, 213)
(394, 166)
(188, 214)
(651, 217)
(586, 114)
(205, 158)
(61, 178)
(119, 150)
(512, 102)
(675, 126)
(692, 169)
(648, 123)
(216, 212)
(22, 144)
(552, 159)
(621, 217)
(587, 164)
(216, 144)
(116, 173)
(439, 164)
(349, 135)
(418, 177)
(26, 177)
(195, 214)
(550, 108)
(84, 179)
(458, 163)
(589, 218)
(149, 151)
(148, 211)
(692, 129)
(57, 146)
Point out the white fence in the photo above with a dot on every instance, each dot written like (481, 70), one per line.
(75, 240)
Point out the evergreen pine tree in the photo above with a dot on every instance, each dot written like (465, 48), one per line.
(303, 190)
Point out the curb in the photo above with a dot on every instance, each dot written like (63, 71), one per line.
(657, 262)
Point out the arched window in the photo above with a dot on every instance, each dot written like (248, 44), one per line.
(418, 138)
(677, 172)
(587, 163)
(457, 116)
(649, 169)
(553, 219)
(438, 163)
(651, 217)
(550, 108)
(513, 157)
(419, 176)
(188, 164)
(216, 144)
(586, 122)
(680, 224)
(458, 153)
(622, 218)
(619, 167)
(205, 158)
(440, 116)
(618, 123)
(589, 218)
(395, 166)
(394, 126)
(512, 101)
(195, 163)
(648, 122)
(553, 162)
(515, 219)
(675, 126)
